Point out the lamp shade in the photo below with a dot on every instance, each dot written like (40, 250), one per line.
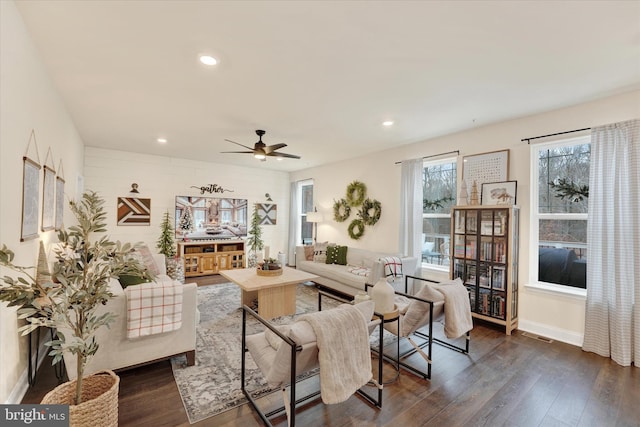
(314, 217)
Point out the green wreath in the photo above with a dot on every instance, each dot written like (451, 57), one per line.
(353, 233)
(368, 217)
(356, 192)
(341, 210)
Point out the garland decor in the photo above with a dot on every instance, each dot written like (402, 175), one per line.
(356, 192)
(370, 211)
(341, 210)
(356, 229)
(569, 190)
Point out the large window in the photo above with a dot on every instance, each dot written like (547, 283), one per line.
(559, 212)
(305, 199)
(439, 195)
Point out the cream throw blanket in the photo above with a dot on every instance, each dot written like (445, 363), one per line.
(343, 351)
(457, 309)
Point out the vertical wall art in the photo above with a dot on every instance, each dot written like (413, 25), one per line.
(48, 194)
(268, 213)
(485, 167)
(134, 211)
(30, 191)
(59, 197)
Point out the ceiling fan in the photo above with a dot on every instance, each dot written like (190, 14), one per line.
(261, 151)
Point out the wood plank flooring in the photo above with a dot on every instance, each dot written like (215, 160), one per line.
(505, 381)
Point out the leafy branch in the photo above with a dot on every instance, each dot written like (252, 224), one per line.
(567, 189)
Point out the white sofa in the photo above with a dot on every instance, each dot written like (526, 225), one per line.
(339, 278)
(117, 351)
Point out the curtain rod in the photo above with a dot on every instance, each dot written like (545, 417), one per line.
(435, 155)
(552, 134)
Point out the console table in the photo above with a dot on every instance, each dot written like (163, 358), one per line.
(206, 257)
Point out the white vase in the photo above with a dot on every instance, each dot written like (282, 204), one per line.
(383, 295)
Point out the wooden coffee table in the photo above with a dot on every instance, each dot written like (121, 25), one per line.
(276, 294)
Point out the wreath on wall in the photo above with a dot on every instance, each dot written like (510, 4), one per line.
(356, 192)
(356, 229)
(341, 210)
(370, 212)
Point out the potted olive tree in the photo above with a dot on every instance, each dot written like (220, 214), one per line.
(82, 270)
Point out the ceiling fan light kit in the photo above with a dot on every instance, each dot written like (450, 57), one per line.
(261, 151)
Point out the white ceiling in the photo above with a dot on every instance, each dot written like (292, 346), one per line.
(322, 76)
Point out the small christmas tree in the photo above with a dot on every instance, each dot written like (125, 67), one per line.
(255, 238)
(186, 221)
(165, 243)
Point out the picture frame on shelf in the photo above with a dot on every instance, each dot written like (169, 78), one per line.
(501, 193)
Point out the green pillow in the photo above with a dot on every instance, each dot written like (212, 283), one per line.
(128, 280)
(337, 255)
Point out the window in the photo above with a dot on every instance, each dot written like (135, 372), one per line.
(305, 199)
(439, 195)
(559, 212)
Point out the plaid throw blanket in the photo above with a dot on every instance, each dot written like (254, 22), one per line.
(153, 308)
(392, 266)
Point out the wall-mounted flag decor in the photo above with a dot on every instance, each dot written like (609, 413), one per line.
(267, 213)
(134, 211)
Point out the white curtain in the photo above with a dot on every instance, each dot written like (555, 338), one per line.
(411, 209)
(294, 217)
(612, 326)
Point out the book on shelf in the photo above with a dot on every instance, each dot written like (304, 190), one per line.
(498, 278)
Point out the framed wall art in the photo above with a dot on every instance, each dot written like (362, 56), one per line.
(30, 199)
(499, 193)
(486, 167)
(267, 213)
(48, 198)
(59, 202)
(134, 211)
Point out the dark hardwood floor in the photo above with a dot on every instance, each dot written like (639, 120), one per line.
(505, 380)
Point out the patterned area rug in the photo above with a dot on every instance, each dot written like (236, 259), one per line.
(212, 385)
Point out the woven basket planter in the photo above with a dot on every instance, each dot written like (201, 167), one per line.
(99, 407)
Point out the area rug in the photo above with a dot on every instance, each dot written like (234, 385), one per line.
(212, 386)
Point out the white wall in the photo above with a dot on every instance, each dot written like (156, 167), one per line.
(28, 101)
(111, 172)
(557, 316)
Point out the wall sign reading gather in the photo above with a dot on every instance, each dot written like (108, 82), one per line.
(211, 188)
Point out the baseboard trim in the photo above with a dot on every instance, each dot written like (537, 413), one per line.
(557, 334)
(21, 387)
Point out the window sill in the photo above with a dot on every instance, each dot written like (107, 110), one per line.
(566, 291)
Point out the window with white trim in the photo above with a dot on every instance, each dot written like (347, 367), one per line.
(559, 212)
(439, 183)
(305, 204)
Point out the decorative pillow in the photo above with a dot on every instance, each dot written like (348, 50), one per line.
(308, 252)
(337, 255)
(146, 258)
(273, 339)
(320, 252)
(128, 280)
(417, 313)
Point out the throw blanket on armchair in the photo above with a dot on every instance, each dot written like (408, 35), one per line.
(457, 309)
(342, 337)
(153, 308)
(392, 266)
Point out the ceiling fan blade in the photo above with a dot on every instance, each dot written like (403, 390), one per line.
(278, 154)
(237, 143)
(238, 152)
(274, 147)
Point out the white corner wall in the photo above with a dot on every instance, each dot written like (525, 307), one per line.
(111, 173)
(553, 315)
(28, 101)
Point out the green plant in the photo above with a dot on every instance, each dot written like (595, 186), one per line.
(166, 244)
(83, 269)
(255, 232)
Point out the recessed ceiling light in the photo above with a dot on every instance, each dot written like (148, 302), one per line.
(162, 140)
(387, 123)
(208, 60)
